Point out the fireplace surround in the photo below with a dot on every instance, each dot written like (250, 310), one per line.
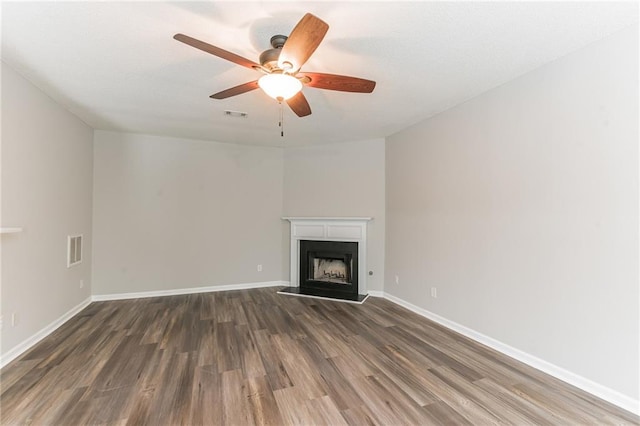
(328, 257)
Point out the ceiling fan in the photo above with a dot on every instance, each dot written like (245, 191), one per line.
(282, 79)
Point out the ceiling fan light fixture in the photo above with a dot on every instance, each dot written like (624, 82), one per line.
(280, 86)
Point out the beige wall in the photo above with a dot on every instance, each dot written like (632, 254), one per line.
(344, 179)
(46, 189)
(174, 213)
(521, 207)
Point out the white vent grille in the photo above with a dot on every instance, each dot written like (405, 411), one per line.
(236, 114)
(74, 250)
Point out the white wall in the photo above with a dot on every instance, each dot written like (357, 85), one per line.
(174, 213)
(46, 175)
(345, 179)
(521, 207)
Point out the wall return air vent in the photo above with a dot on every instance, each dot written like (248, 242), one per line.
(74, 250)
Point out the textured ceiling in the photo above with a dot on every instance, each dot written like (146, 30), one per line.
(116, 66)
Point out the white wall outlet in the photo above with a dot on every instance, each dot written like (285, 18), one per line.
(259, 268)
(81, 283)
(397, 279)
(434, 292)
(14, 319)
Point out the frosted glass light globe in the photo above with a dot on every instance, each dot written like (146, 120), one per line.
(280, 86)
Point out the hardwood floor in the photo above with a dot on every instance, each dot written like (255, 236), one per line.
(257, 357)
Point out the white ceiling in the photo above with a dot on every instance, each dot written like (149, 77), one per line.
(117, 67)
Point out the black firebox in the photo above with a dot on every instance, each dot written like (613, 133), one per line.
(329, 266)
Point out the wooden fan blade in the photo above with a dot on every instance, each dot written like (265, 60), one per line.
(303, 41)
(220, 53)
(237, 90)
(341, 83)
(299, 105)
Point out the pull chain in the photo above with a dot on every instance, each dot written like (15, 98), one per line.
(281, 118)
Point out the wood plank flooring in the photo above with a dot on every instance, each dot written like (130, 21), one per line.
(256, 357)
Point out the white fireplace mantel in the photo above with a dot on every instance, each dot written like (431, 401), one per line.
(352, 229)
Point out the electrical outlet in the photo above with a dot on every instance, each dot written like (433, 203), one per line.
(434, 292)
(14, 319)
(259, 268)
(397, 279)
(81, 283)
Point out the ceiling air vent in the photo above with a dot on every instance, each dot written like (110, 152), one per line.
(74, 250)
(237, 114)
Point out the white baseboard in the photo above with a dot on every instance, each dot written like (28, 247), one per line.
(376, 293)
(31, 341)
(179, 291)
(623, 401)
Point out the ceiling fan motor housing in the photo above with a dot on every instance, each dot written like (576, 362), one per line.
(269, 58)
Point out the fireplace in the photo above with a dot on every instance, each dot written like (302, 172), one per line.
(329, 266)
(329, 258)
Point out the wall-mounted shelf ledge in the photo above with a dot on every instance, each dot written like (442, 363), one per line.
(10, 230)
(321, 218)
